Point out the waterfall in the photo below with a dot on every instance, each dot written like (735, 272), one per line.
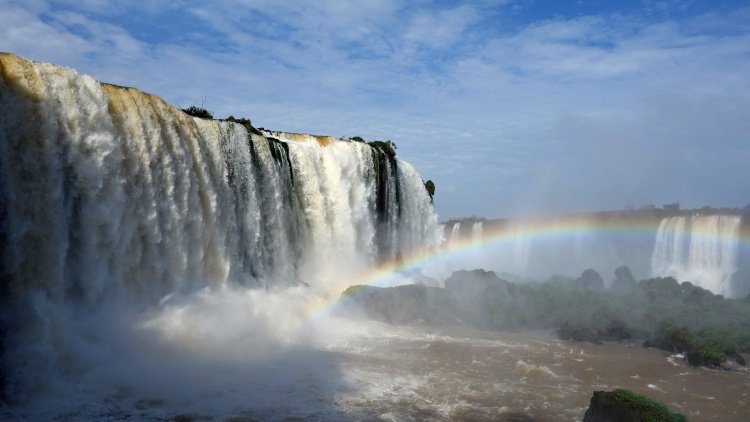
(455, 232)
(520, 249)
(476, 232)
(701, 249)
(111, 199)
(117, 192)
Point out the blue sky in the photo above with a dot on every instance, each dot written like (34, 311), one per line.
(511, 107)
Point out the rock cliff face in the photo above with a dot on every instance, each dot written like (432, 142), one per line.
(626, 406)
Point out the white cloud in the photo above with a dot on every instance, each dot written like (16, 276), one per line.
(548, 104)
(23, 32)
(441, 29)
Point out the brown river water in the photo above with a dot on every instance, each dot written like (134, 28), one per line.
(352, 370)
(419, 373)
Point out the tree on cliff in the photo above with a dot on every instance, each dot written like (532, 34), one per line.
(430, 186)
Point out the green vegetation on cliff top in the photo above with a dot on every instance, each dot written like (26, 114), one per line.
(197, 111)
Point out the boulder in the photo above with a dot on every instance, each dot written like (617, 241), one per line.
(627, 406)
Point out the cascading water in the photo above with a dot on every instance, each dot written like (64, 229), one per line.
(476, 232)
(521, 249)
(115, 189)
(454, 235)
(669, 247)
(111, 196)
(455, 232)
(701, 249)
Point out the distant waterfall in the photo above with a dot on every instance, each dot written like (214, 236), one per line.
(699, 249)
(108, 191)
(455, 233)
(476, 232)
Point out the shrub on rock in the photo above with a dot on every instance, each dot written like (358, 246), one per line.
(627, 406)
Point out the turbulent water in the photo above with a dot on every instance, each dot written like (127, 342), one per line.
(414, 373)
(701, 249)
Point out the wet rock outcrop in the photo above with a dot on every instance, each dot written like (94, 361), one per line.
(627, 406)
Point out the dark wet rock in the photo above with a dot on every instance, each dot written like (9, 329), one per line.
(626, 406)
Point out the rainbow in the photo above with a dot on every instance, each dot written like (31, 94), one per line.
(534, 229)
